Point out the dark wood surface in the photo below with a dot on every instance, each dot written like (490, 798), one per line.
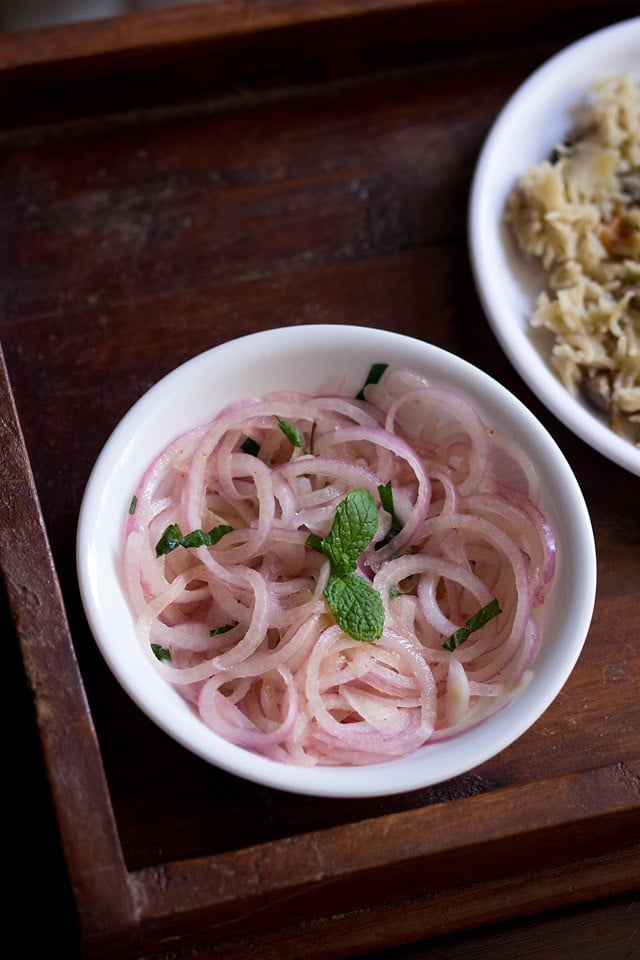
(170, 182)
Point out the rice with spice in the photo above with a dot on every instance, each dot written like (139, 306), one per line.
(578, 215)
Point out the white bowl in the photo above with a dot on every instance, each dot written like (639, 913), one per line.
(304, 358)
(533, 121)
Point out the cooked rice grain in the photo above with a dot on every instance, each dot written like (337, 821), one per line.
(578, 215)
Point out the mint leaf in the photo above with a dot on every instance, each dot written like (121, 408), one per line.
(356, 606)
(172, 538)
(354, 527)
(386, 499)
(314, 541)
(133, 504)
(291, 433)
(223, 629)
(162, 653)
(374, 375)
(488, 612)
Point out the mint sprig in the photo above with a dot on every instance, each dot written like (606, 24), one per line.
(488, 612)
(356, 606)
(291, 432)
(386, 499)
(161, 653)
(375, 373)
(172, 538)
(222, 629)
(354, 527)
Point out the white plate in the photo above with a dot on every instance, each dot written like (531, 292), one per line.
(533, 121)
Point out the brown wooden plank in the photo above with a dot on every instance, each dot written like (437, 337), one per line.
(447, 923)
(130, 242)
(435, 854)
(172, 54)
(184, 24)
(71, 751)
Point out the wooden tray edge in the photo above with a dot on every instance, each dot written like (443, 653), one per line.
(181, 25)
(71, 752)
(588, 814)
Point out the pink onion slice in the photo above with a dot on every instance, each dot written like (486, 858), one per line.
(241, 628)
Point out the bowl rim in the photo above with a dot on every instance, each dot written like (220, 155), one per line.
(96, 558)
(488, 239)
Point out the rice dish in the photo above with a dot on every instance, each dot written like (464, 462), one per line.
(578, 215)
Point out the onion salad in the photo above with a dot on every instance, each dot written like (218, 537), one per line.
(339, 580)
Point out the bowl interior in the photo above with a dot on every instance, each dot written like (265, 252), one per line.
(534, 120)
(306, 358)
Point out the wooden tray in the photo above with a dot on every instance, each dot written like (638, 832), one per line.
(172, 180)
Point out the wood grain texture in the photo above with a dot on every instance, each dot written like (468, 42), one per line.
(221, 47)
(69, 742)
(318, 183)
